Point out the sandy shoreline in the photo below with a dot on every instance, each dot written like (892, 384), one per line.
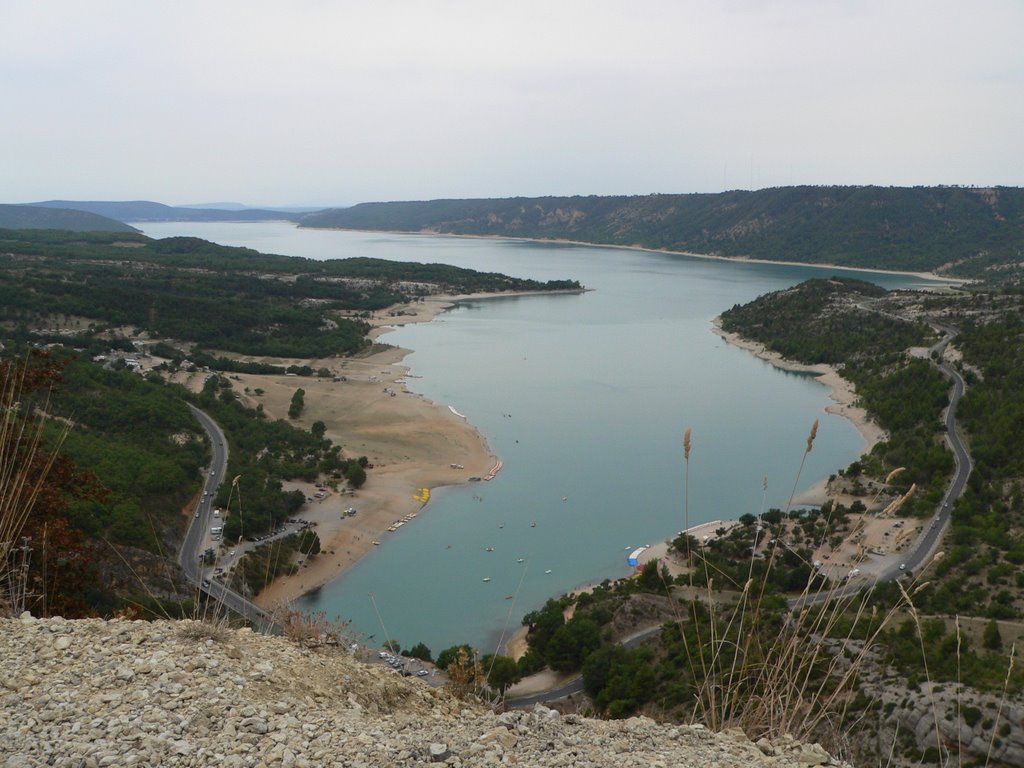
(414, 443)
(411, 442)
(841, 391)
(932, 276)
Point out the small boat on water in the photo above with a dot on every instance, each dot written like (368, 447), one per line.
(487, 578)
(533, 525)
(521, 560)
(376, 543)
(488, 549)
(548, 571)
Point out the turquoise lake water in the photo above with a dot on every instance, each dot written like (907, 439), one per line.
(585, 398)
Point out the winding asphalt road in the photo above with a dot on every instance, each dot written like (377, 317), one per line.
(921, 553)
(192, 546)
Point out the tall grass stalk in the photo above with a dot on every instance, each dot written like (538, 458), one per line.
(959, 722)
(686, 490)
(924, 658)
(1002, 704)
(772, 676)
(25, 462)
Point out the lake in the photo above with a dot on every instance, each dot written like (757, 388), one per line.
(585, 398)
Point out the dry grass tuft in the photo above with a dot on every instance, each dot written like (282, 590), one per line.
(204, 629)
(796, 673)
(310, 629)
(25, 462)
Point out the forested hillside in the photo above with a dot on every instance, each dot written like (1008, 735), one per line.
(854, 325)
(41, 217)
(145, 210)
(213, 296)
(962, 231)
(112, 515)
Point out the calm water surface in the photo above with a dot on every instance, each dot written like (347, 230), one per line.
(585, 398)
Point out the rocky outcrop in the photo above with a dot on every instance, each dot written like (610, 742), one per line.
(123, 693)
(959, 725)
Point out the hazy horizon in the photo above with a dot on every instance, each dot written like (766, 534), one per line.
(323, 104)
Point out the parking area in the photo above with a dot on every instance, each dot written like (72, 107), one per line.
(404, 665)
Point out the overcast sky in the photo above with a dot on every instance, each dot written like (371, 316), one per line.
(331, 102)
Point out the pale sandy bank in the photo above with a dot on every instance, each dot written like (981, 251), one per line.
(842, 392)
(411, 443)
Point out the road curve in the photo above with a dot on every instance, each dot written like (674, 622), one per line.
(192, 545)
(928, 541)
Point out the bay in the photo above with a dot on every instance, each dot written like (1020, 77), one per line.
(585, 398)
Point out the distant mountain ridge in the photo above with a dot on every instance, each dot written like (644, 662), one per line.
(958, 230)
(45, 217)
(146, 210)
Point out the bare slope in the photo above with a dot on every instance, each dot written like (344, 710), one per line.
(135, 693)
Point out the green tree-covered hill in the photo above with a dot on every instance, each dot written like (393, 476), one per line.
(42, 217)
(963, 231)
(146, 210)
(232, 299)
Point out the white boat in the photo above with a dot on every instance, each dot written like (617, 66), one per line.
(487, 578)
(521, 560)
(548, 571)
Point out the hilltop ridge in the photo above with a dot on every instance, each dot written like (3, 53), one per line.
(959, 230)
(51, 217)
(94, 692)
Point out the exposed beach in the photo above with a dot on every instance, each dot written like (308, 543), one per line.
(411, 442)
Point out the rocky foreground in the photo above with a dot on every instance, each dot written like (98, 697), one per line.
(124, 693)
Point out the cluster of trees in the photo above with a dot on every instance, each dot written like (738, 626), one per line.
(826, 321)
(260, 566)
(919, 228)
(906, 396)
(952, 657)
(217, 297)
(128, 464)
(141, 443)
(143, 451)
(264, 453)
(297, 403)
(819, 321)
(980, 574)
